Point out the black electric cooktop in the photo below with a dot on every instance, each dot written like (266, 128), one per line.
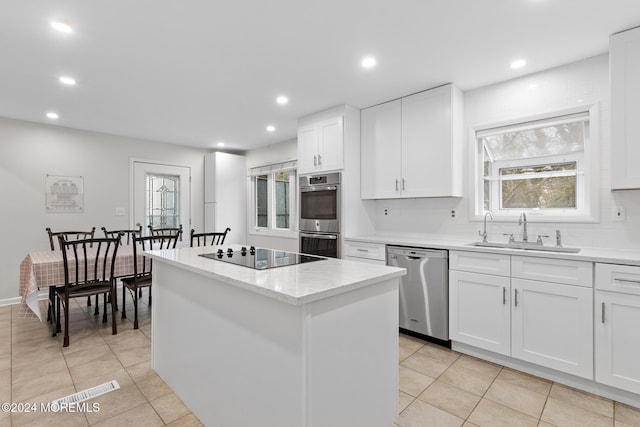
(260, 258)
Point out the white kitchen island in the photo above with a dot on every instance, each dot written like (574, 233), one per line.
(314, 344)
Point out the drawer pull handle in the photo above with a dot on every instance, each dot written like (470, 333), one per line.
(635, 282)
(602, 312)
(504, 295)
(516, 298)
(362, 250)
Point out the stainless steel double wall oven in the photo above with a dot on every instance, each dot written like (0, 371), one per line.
(320, 214)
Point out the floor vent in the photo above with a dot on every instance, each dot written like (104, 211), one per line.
(87, 394)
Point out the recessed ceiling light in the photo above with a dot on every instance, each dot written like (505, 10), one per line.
(67, 80)
(52, 115)
(519, 63)
(62, 26)
(282, 100)
(533, 86)
(369, 62)
(271, 128)
(220, 144)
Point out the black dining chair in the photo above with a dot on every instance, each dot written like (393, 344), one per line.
(88, 270)
(163, 231)
(53, 238)
(127, 238)
(214, 238)
(68, 235)
(143, 268)
(127, 235)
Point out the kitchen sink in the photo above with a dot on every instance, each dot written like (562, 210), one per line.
(526, 246)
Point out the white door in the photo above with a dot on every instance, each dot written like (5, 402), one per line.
(479, 312)
(161, 194)
(552, 326)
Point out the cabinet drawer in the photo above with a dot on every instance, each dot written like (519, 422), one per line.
(480, 262)
(618, 278)
(578, 273)
(365, 260)
(375, 251)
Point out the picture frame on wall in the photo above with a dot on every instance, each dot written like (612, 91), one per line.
(64, 194)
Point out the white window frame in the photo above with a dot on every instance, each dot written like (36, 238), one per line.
(270, 170)
(588, 173)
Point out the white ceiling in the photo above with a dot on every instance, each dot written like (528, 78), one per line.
(196, 72)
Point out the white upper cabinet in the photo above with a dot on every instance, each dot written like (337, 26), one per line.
(381, 157)
(320, 145)
(412, 147)
(624, 56)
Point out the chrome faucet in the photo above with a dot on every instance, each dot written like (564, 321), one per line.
(523, 221)
(484, 232)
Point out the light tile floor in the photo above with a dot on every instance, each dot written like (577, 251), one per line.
(35, 368)
(438, 387)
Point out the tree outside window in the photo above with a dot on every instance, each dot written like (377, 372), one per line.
(537, 166)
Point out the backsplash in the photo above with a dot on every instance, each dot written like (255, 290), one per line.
(581, 83)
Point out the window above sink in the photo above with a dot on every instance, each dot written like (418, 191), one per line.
(544, 166)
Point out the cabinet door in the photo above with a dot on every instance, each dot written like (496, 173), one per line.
(479, 310)
(380, 151)
(330, 144)
(618, 340)
(307, 149)
(552, 326)
(427, 144)
(625, 109)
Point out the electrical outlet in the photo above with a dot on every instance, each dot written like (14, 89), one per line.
(619, 213)
(386, 211)
(453, 213)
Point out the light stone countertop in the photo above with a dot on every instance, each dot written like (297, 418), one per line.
(603, 255)
(296, 284)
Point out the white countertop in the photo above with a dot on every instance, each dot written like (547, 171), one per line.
(604, 255)
(296, 284)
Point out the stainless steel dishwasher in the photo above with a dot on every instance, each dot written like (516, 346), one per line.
(424, 291)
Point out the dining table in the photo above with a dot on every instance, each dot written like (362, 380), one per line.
(42, 269)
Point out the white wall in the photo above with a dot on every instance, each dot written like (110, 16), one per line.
(287, 150)
(580, 83)
(30, 151)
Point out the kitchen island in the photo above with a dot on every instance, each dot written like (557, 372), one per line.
(313, 344)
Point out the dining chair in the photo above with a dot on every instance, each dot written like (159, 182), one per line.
(215, 238)
(142, 269)
(127, 235)
(88, 270)
(68, 235)
(162, 231)
(127, 238)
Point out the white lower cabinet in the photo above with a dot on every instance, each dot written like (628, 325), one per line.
(617, 326)
(546, 323)
(551, 325)
(479, 312)
(373, 253)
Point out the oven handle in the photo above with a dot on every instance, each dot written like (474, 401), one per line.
(320, 236)
(328, 188)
